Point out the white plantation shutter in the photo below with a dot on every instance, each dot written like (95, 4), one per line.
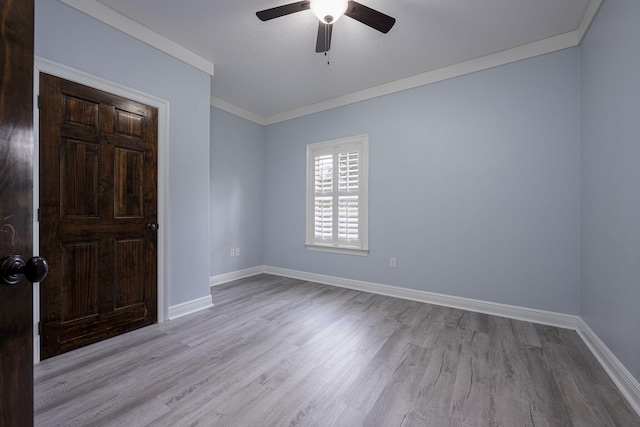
(323, 203)
(348, 185)
(336, 195)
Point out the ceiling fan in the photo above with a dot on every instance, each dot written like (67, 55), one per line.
(328, 12)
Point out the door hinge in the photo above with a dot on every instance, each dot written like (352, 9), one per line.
(39, 328)
(39, 215)
(39, 103)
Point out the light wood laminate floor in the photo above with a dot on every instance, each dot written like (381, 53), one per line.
(275, 351)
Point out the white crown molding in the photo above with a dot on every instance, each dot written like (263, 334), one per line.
(587, 19)
(190, 307)
(626, 383)
(530, 50)
(235, 110)
(504, 57)
(136, 30)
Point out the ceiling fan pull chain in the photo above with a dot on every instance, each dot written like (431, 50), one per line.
(326, 43)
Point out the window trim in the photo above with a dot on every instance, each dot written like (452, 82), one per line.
(363, 197)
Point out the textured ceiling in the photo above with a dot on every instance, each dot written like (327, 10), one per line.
(271, 68)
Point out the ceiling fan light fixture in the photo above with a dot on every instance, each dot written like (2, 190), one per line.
(328, 11)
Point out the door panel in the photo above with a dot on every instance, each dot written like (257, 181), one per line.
(98, 191)
(16, 209)
(80, 276)
(129, 272)
(79, 163)
(129, 183)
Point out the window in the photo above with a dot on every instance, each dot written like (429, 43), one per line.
(337, 182)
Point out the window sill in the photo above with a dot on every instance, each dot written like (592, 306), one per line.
(338, 250)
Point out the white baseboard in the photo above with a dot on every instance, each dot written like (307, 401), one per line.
(189, 307)
(503, 310)
(235, 275)
(627, 384)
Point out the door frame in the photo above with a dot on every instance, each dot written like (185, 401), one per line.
(50, 67)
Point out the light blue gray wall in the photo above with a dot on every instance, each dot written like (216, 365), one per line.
(474, 186)
(237, 155)
(71, 38)
(611, 179)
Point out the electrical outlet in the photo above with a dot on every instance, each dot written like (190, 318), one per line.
(237, 251)
(392, 261)
(232, 252)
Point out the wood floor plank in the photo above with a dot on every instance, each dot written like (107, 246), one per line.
(506, 411)
(545, 396)
(365, 391)
(472, 387)
(401, 390)
(277, 351)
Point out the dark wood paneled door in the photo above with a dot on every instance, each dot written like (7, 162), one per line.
(16, 209)
(98, 214)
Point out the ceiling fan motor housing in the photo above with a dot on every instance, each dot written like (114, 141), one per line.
(329, 11)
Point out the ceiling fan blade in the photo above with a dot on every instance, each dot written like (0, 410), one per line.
(323, 42)
(370, 17)
(276, 12)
